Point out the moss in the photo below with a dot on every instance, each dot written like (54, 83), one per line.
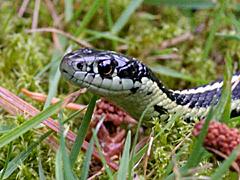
(164, 145)
(23, 56)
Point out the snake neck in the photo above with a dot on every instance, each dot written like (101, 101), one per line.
(162, 102)
(196, 102)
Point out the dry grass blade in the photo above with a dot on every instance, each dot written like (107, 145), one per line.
(171, 56)
(35, 14)
(234, 165)
(42, 98)
(73, 96)
(15, 106)
(176, 40)
(96, 174)
(53, 12)
(147, 157)
(180, 144)
(199, 169)
(58, 31)
(23, 8)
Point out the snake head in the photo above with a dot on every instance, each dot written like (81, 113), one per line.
(103, 72)
(120, 79)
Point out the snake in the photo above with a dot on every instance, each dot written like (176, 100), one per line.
(131, 85)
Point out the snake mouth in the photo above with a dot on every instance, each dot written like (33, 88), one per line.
(98, 85)
(102, 91)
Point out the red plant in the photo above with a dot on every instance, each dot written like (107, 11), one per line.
(220, 139)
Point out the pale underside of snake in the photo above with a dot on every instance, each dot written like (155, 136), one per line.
(131, 85)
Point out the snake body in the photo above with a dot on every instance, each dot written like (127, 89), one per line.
(132, 86)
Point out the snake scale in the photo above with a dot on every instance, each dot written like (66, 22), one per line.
(131, 85)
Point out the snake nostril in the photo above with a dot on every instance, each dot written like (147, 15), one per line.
(64, 71)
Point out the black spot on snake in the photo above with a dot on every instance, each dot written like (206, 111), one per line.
(149, 93)
(134, 90)
(160, 109)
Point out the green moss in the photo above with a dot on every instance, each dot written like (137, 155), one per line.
(24, 55)
(165, 144)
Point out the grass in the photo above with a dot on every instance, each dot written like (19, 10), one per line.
(82, 130)
(135, 28)
(26, 126)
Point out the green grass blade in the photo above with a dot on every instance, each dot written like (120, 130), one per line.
(42, 71)
(198, 149)
(223, 109)
(172, 73)
(80, 9)
(88, 17)
(62, 164)
(54, 77)
(68, 10)
(107, 10)
(105, 35)
(229, 36)
(82, 130)
(26, 126)
(67, 170)
(217, 21)
(139, 154)
(87, 161)
(108, 170)
(7, 161)
(226, 164)
(124, 162)
(185, 4)
(73, 115)
(40, 170)
(18, 160)
(6, 128)
(236, 119)
(130, 170)
(234, 21)
(123, 19)
(59, 166)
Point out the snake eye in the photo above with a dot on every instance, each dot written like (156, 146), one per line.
(105, 67)
(79, 66)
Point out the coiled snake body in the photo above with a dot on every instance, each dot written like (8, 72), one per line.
(132, 86)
